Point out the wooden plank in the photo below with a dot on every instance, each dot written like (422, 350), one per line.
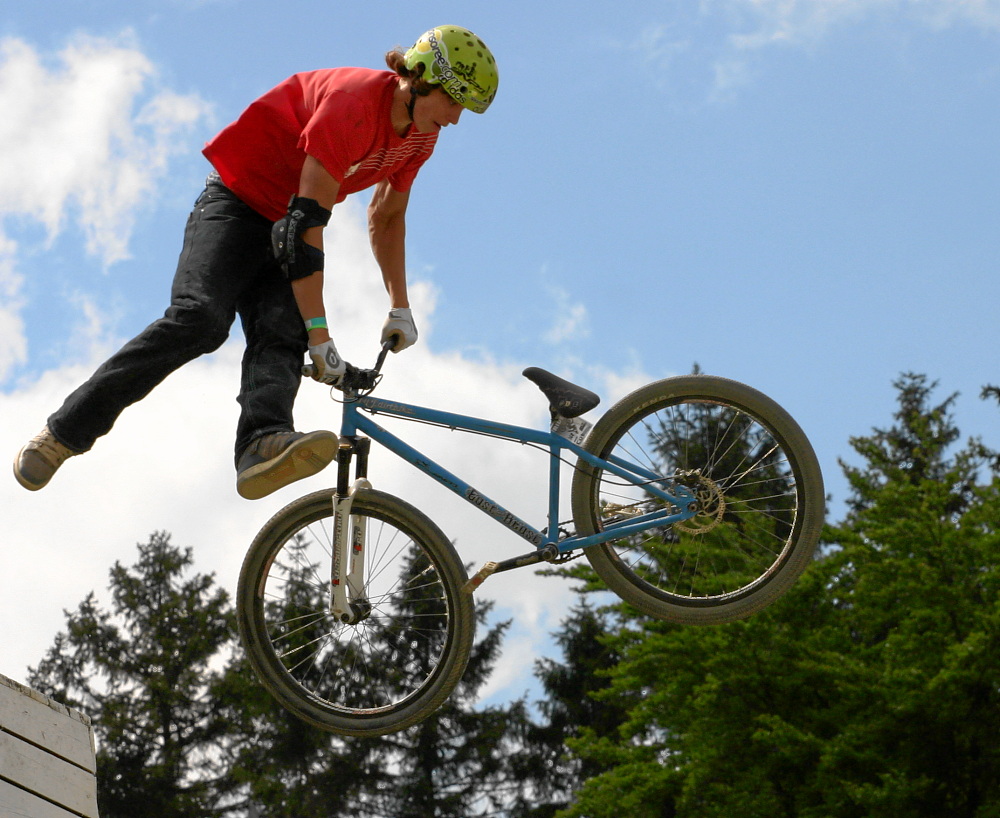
(37, 719)
(16, 803)
(36, 771)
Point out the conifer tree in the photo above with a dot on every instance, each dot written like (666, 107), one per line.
(458, 762)
(186, 730)
(569, 709)
(871, 689)
(143, 671)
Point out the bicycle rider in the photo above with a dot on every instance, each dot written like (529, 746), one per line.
(253, 246)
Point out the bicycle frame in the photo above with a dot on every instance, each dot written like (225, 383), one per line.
(679, 503)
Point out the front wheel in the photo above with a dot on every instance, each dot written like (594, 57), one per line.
(410, 640)
(757, 482)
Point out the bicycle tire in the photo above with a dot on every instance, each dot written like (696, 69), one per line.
(390, 670)
(760, 490)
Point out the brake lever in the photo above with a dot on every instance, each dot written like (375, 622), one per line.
(367, 379)
(388, 344)
(359, 380)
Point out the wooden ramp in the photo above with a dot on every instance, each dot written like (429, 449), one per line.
(47, 763)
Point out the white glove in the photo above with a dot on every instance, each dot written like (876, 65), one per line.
(400, 323)
(329, 367)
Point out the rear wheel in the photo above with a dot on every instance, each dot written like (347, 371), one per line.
(759, 490)
(410, 644)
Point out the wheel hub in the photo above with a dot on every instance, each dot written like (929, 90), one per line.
(360, 610)
(711, 503)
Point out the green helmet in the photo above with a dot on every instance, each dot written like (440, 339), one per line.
(460, 62)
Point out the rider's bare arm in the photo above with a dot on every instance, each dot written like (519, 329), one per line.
(387, 230)
(315, 183)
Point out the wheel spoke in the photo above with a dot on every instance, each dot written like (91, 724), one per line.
(413, 631)
(742, 459)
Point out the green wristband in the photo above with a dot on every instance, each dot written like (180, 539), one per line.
(316, 323)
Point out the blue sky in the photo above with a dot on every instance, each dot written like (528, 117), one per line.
(798, 194)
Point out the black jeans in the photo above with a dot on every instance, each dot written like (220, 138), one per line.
(225, 267)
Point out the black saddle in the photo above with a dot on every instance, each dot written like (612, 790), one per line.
(565, 399)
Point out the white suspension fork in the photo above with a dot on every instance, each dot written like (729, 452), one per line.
(347, 569)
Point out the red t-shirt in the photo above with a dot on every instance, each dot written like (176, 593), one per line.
(339, 116)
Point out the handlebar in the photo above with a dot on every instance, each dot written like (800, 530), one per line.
(359, 380)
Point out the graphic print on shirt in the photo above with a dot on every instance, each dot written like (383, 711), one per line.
(415, 145)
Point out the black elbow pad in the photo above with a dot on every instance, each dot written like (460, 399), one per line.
(296, 258)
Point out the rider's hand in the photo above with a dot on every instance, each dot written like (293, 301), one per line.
(400, 323)
(328, 366)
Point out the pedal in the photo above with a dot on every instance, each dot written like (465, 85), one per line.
(480, 577)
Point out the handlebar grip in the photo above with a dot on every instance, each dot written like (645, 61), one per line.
(359, 378)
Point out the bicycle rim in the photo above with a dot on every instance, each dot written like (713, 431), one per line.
(759, 490)
(408, 650)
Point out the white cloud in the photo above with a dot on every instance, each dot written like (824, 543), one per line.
(725, 39)
(571, 322)
(85, 134)
(657, 46)
(13, 342)
(84, 137)
(167, 464)
(797, 22)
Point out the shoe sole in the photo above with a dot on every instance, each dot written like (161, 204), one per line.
(305, 457)
(20, 479)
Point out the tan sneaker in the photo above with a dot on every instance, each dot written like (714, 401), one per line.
(39, 459)
(273, 461)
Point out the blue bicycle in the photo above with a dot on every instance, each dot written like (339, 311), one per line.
(696, 499)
